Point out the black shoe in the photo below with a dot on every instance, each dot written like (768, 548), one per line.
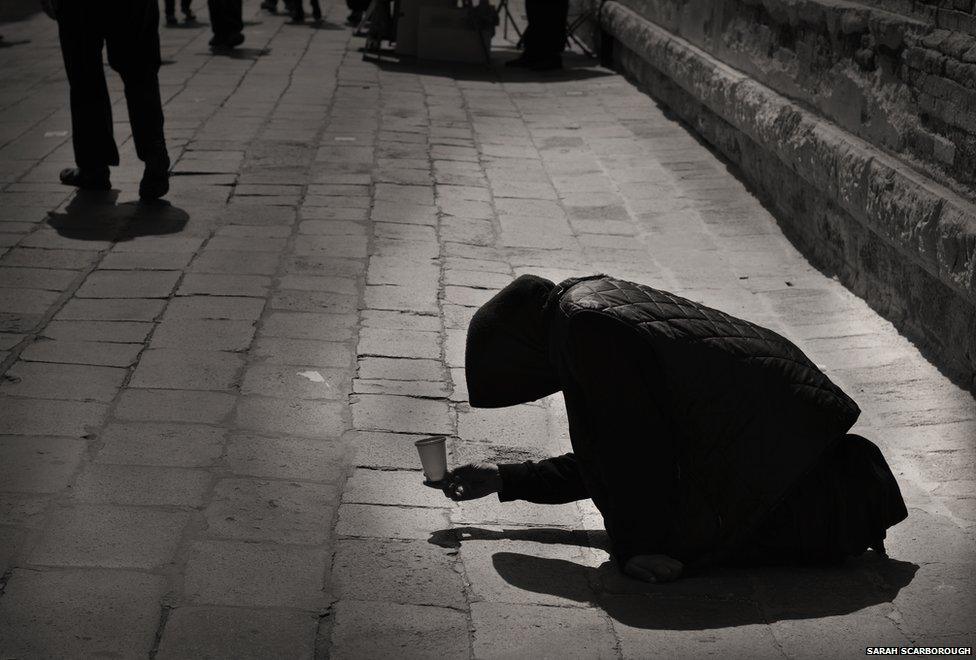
(155, 181)
(171, 20)
(547, 63)
(316, 14)
(523, 61)
(224, 41)
(189, 17)
(86, 179)
(354, 18)
(269, 6)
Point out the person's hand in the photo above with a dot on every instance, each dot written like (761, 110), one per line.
(653, 568)
(472, 481)
(47, 6)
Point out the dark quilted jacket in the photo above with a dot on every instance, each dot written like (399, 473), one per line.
(751, 414)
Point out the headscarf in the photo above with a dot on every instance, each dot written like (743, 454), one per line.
(506, 358)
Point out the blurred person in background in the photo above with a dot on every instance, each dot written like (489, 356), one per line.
(188, 14)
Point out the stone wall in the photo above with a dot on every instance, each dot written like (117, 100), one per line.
(873, 114)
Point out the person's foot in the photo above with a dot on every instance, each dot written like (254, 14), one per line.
(171, 20)
(189, 16)
(155, 181)
(523, 61)
(95, 178)
(316, 14)
(270, 6)
(548, 63)
(225, 41)
(354, 18)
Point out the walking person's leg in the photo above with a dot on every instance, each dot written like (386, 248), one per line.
(226, 21)
(551, 35)
(235, 18)
(356, 9)
(170, 6)
(188, 14)
(534, 11)
(216, 10)
(133, 51)
(80, 33)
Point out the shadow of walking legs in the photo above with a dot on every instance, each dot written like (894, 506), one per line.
(95, 216)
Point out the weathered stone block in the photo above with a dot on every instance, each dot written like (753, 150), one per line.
(379, 630)
(62, 381)
(199, 632)
(313, 419)
(49, 417)
(175, 445)
(510, 631)
(396, 571)
(141, 486)
(256, 575)
(392, 488)
(295, 382)
(174, 406)
(400, 414)
(38, 464)
(307, 459)
(58, 613)
(280, 511)
(390, 522)
(182, 369)
(110, 537)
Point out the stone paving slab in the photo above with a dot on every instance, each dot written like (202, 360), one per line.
(208, 409)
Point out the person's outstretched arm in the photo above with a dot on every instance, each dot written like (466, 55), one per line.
(551, 481)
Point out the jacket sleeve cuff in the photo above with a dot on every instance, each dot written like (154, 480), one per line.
(514, 478)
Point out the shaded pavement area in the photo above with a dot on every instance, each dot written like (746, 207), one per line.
(207, 407)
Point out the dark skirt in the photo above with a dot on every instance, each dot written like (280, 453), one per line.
(841, 508)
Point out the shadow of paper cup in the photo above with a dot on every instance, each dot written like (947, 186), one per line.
(433, 456)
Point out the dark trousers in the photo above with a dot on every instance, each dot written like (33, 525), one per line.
(129, 31)
(226, 17)
(841, 508)
(545, 35)
(171, 6)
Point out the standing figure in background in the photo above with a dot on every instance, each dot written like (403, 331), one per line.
(356, 10)
(188, 14)
(129, 30)
(227, 23)
(295, 9)
(545, 36)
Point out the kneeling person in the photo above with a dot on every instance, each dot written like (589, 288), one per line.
(700, 437)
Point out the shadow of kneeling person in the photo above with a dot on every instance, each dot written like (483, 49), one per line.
(719, 597)
(95, 216)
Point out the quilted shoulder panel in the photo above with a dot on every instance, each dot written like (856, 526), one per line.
(661, 315)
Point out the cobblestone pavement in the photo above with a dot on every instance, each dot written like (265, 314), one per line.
(208, 408)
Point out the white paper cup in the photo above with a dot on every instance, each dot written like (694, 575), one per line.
(433, 456)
